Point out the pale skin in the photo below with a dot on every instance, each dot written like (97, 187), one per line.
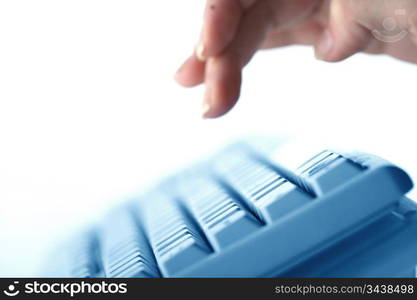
(234, 30)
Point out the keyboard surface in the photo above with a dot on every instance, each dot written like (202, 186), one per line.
(242, 213)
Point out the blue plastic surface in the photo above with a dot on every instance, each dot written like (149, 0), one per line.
(240, 214)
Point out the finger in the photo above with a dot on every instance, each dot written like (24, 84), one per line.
(223, 81)
(223, 73)
(221, 20)
(191, 73)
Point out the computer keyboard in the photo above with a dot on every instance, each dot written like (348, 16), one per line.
(244, 213)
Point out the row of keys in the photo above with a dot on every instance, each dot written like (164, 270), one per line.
(221, 216)
(124, 248)
(176, 241)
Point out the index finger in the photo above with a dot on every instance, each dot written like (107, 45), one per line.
(221, 21)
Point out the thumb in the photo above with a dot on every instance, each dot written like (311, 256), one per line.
(342, 36)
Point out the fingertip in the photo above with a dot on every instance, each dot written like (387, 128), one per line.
(191, 72)
(324, 46)
(223, 81)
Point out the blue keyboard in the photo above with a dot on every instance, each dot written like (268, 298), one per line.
(245, 213)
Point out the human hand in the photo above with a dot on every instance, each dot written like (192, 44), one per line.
(234, 30)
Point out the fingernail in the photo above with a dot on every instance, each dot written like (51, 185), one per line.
(206, 105)
(201, 52)
(324, 45)
(206, 110)
(179, 71)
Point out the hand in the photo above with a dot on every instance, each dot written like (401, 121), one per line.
(234, 30)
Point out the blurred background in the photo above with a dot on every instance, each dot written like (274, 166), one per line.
(89, 111)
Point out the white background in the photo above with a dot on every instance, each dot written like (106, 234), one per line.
(89, 111)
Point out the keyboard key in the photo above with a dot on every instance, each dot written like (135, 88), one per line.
(84, 257)
(268, 194)
(282, 201)
(125, 251)
(328, 170)
(176, 241)
(310, 167)
(222, 217)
